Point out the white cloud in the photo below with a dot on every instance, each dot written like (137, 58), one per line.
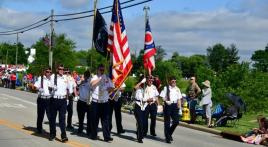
(192, 32)
(187, 33)
(74, 4)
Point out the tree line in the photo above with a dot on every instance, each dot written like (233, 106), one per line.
(220, 65)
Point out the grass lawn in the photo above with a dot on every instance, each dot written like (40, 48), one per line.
(245, 124)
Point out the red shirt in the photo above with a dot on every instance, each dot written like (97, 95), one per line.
(13, 77)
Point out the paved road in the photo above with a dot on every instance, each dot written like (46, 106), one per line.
(18, 118)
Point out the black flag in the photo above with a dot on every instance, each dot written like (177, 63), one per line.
(100, 34)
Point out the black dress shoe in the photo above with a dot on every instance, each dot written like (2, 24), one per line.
(153, 134)
(171, 138)
(39, 131)
(70, 127)
(64, 139)
(121, 132)
(168, 141)
(93, 138)
(140, 141)
(108, 139)
(51, 138)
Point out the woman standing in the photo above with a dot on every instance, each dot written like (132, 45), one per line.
(206, 102)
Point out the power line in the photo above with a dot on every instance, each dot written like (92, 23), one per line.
(26, 29)
(92, 10)
(16, 30)
(48, 19)
(73, 18)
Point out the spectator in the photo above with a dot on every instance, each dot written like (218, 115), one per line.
(193, 92)
(257, 135)
(13, 79)
(206, 102)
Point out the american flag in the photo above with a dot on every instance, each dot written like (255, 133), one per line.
(149, 49)
(118, 46)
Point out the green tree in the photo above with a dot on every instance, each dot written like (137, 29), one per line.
(160, 53)
(95, 58)
(11, 48)
(217, 57)
(232, 55)
(165, 69)
(63, 53)
(260, 58)
(82, 57)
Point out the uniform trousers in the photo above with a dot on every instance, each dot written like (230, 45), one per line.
(170, 111)
(82, 109)
(70, 111)
(100, 111)
(58, 105)
(140, 118)
(116, 107)
(152, 111)
(42, 108)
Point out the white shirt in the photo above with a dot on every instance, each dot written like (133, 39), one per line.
(84, 91)
(100, 91)
(175, 94)
(206, 99)
(151, 92)
(62, 85)
(140, 99)
(71, 84)
(46, 83)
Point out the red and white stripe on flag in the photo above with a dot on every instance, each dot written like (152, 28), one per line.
(149, 49)
(118, 46)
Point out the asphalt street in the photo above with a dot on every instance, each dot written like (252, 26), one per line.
(18, 122)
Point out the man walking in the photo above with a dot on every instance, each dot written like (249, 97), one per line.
(171, 95)
(59, 103)
(101, 85)
(43, 85)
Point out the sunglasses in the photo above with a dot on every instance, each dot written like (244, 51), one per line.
(60, 68)
(67, 72)
(173, 81)
(48, 72)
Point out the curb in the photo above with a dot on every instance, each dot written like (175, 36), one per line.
(224, 134)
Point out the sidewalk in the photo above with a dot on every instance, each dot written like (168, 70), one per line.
(224, 134)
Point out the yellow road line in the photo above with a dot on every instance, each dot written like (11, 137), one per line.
(30, 132)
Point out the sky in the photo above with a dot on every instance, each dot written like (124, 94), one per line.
(186, 26)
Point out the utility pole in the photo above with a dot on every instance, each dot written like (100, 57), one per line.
(6, 60)
(51, 44)
(17, 49)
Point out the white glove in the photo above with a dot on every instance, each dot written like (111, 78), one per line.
(41, 90)
(143, 80)
(55, 88)
(180, 112)
(76, 98)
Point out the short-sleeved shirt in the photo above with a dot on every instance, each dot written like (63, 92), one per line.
(84, 90)
(71, 84)
(100, 91)
(151, 92)
(174, 95)
(62, 85)
(46, 84)
(193, 90)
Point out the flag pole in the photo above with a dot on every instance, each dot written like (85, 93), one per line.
(93, 24)
(146, 9)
